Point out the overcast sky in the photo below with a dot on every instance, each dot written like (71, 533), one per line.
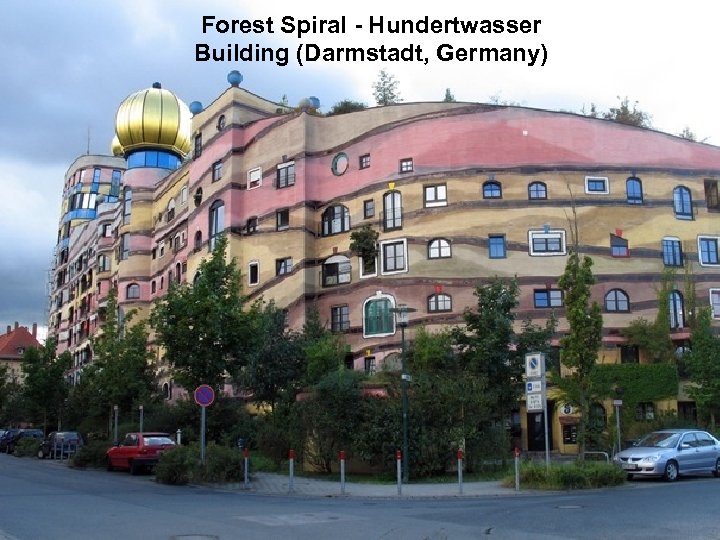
(64, 70)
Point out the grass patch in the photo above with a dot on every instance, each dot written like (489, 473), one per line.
(570, 476)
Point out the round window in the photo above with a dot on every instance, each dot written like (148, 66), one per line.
(340, 164)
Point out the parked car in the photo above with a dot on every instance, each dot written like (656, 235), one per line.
(60, 444)
(13, 436)
(671, 452)
(138, 451)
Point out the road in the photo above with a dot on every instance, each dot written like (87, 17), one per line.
(45, 500)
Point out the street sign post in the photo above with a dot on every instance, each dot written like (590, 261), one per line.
(204, 396)
(535, 398)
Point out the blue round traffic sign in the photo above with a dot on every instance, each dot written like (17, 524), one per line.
(204, 395)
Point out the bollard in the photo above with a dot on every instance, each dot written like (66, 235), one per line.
(342, 472)
(178, 437)
(291, 456)
(398, 458)
(517, 469)
(246, 457)
(460, 469)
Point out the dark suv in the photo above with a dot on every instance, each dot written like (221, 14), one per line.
(13, 436)
(60, 444)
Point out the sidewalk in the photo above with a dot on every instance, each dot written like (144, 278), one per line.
(279, 484)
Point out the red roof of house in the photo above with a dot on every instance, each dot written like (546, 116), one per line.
(19, 338)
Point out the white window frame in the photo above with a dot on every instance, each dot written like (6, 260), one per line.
(435, 190)
(362, 267)
(384, 272)
(717, 249)
(379, 295)
(552, 233)
(254, 178)
(715, 305)
(589, 179)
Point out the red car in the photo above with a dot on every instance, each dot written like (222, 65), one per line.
(138, 451)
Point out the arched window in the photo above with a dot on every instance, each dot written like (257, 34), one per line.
(439, 302)
(132, 292)
(392, 210)
(439, 248)
(617, 300)
(197, 277)
(217, 223)
(598, 418)
(682, 203)
(178, 272)
(198, 240)
(378, 320)
(335, 219)
(492, 190)
(633, 187)
(537, 191)
(167, 390)
(677, 310)
(170, 211)
(336, 270)
(197, 198)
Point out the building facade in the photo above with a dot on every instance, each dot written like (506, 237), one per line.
(458, 192)
(13, 344)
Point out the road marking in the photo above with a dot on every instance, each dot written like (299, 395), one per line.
(279, 520)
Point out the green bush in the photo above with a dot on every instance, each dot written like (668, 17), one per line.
(27, 447)
(92, 454)
(571, 476)
(182, 465)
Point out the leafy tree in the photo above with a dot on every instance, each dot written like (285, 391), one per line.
(623, 114)
(702, 361)
(275, 361)
(332, 415)
(122, 368)
(44, 386)
(485, 345)
(346, 106)
(202, 327)
(449, 96)
(581, 345)
(385, 89)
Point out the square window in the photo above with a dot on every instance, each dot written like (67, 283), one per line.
(340, 318)
(546, 243)
(439, 248)
(629, 354)
(283, 266)
(712, 199)
(365, 161)
(285, 175)
(435, 195)
(368, 208)
(251, 225)
(708, 250)
(496, 246)
(217, 171)
(282, 219)
(254, 178)
(597, 185)
(368, 267)
(406, 165)
(546, 298)
(394, 256)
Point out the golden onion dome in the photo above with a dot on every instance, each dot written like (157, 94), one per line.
(115, 147)
(153, 118)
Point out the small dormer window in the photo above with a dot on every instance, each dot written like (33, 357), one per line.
(21, 350)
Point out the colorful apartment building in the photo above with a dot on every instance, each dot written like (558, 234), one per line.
(459, 193)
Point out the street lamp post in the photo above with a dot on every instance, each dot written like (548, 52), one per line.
(401, 313)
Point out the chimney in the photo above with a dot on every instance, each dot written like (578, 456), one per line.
(34, 330)
(16, 325)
